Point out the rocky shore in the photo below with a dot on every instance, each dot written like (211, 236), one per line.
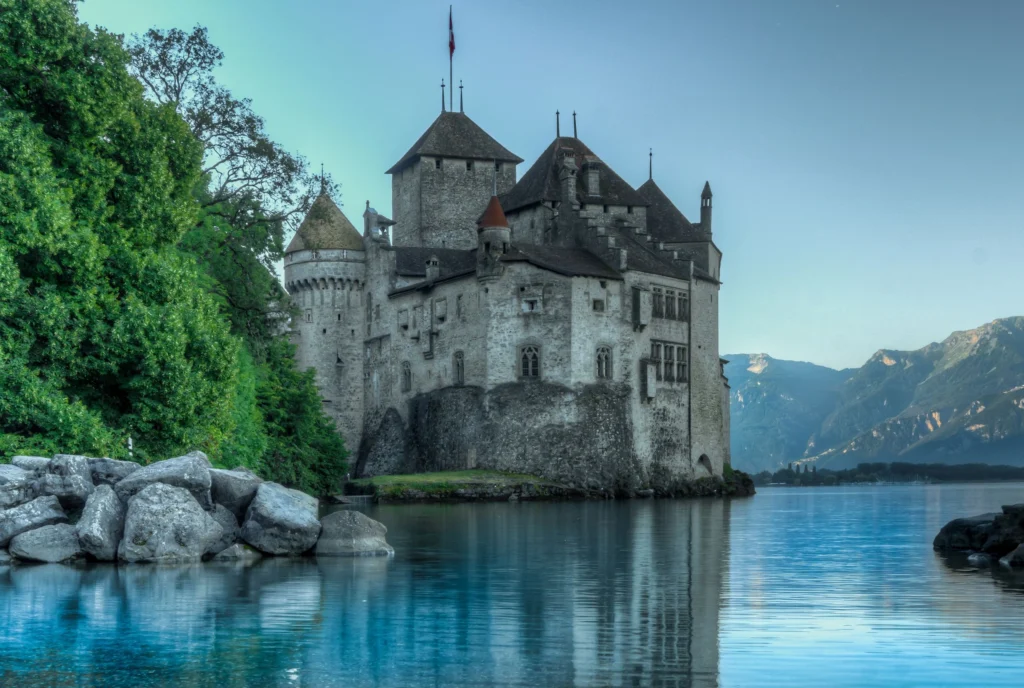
(987, 538)
(71, 507)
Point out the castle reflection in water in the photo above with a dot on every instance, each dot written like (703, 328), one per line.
(530, 594)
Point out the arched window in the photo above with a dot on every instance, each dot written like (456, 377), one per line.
(459, 368)
(529, 361)
(406, 377)
(604, 363)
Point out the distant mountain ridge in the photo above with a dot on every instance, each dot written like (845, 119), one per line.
(956, 401)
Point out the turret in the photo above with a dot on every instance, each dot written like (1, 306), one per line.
(493, 239)
(705, 208)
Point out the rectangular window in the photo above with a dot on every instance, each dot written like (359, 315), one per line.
(681, 364)
(658, 308)
(670, 304)
(458, 306)
(599, 305)
(656, 359)
(684, 306)
(309, 315)
(669, 364)
(437, 164)
(469, 165)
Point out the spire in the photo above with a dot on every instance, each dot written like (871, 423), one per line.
(558, 126)
(706, 193)
(493, 216)
(460, 96)
(574, 125)
(650, 163)
(442, 95)
(323, 180)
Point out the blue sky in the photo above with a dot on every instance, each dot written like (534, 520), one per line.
(867, 156)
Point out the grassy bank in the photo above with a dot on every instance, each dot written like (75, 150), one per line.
(473, 485)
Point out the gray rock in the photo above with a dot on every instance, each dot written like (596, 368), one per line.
(111, 471)
(67, 465)
(229, 527)
(281, 521)
(17, 486)
(982, 561)
(234, 489)
(102, 524)
(41, 511)
(1014, 560)
(5, 558)
(201, 456)
(33, 464)
(165, 524)
(239, 552)
(50, 544)
(72, 490)
(190, 472)
(965, 533)
(352, 534)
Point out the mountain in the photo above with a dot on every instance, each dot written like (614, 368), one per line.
(956, 401)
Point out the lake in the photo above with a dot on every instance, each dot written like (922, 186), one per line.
(793, 587)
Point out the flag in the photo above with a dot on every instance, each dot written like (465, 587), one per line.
(451, 34)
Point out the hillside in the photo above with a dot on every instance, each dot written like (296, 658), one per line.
(957, 401)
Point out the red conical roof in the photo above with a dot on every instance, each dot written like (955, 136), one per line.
(494, 216)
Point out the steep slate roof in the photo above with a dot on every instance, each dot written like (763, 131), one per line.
(455, 135)
(540, 183)
(325, 228)
(574, 262)
(411, 261)
(665, 222)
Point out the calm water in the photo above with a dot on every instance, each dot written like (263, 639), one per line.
(795, 587)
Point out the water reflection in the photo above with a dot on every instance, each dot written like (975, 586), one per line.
(530, 595)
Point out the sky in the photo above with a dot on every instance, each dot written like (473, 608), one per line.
(866, 156)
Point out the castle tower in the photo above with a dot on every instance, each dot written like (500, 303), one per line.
(444, 181)
(325, 274)
(493, 240)
(705, 208)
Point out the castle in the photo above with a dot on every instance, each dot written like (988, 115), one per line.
(563, 325)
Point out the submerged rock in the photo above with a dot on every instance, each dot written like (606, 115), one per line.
(982, 561)
(41, 511)
(229, 526)
(965, 533)
(17, 486)
(49, 544)
(166, 524)
(234, 489)
(190, 472)
(102, 524)
(352, 534)
(111, 471)
(5, 558)
(239, 552)
(1014, 560)
(281, 521)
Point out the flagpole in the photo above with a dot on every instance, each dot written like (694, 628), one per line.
(451, 57)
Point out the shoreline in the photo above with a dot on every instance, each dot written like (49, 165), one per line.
(452, 487)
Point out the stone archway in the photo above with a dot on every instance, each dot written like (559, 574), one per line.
(706, 463)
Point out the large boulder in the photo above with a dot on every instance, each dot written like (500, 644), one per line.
(1015, 559)
(111, 471)
(190, 472)
(33, 464)
(41, 511)
(102, 524)
(69, 479)
(17, 486)
(239, 552)
(50, 544)
(234, 489)
(165, 524)
(281, 521)
(229, 526)
(965, 533)
(352, 534)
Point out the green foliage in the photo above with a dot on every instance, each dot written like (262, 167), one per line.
(104, 332)
(246, 445)
(896, 472)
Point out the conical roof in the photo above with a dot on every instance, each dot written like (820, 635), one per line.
(325, 228)
(493, 216)
(665, 222)
(706, 193)
(455, 135)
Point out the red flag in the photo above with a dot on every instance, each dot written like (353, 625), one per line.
(451, 34)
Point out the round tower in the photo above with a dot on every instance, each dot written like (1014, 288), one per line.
(494, 238)
(325, 274)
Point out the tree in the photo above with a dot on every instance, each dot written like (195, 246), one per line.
(105, 332)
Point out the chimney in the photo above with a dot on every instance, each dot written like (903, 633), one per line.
(593, 177)
(567, 176)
